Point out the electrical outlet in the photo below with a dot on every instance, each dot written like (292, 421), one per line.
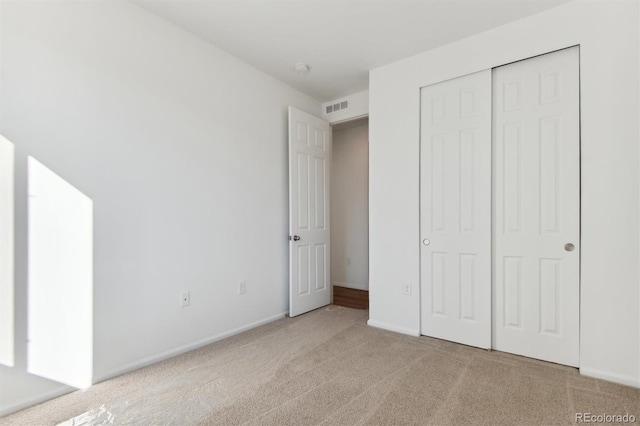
(185, 299)
(406, 289)
(348, 261)
(242, 287)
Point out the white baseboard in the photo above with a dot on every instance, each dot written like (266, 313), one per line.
(144, 362)
(611, 377)
(384, 326)
(31, 401)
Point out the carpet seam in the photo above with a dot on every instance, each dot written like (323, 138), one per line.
(397, 372)
(315, 387)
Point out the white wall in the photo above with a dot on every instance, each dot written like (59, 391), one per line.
(350, 205)
(182, 149)
(607, 33)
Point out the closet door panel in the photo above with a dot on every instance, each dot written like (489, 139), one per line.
(537, 207)
(455, 210)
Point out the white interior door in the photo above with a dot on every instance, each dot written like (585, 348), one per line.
(309, 174)
(537, 207)
(455, 210)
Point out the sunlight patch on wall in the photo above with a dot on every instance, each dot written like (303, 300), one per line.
(7, 159)
(60, 294)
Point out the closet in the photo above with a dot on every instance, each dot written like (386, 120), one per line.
(500, 208)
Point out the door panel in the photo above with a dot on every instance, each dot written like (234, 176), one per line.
(537, 207)
(455, 210)
(309, 173)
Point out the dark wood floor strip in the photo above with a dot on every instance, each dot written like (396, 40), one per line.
(350, 298)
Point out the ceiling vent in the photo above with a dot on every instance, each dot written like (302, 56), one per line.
(336, 106)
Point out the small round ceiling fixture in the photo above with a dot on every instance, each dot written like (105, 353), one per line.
(301, 68)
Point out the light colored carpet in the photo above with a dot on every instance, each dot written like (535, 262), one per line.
(328, 367)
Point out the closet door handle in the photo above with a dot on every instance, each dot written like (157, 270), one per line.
(426, 242)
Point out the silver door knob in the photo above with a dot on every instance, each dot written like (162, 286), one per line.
(426, 242)
(296, 238)
(569, 247)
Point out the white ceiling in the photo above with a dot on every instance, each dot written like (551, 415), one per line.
(340, 40)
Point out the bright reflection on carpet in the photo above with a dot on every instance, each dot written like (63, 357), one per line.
(99, 416)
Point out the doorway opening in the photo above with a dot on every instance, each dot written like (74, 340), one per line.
(350, 214)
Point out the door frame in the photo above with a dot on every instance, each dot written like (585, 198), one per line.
(333, 125)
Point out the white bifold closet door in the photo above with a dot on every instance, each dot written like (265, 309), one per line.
(537, 207)
(455, 210)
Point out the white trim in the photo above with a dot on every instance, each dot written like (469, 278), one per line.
(349, 119)
(611, 377)
(384, 326)
(144, 362)
(31, 401)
